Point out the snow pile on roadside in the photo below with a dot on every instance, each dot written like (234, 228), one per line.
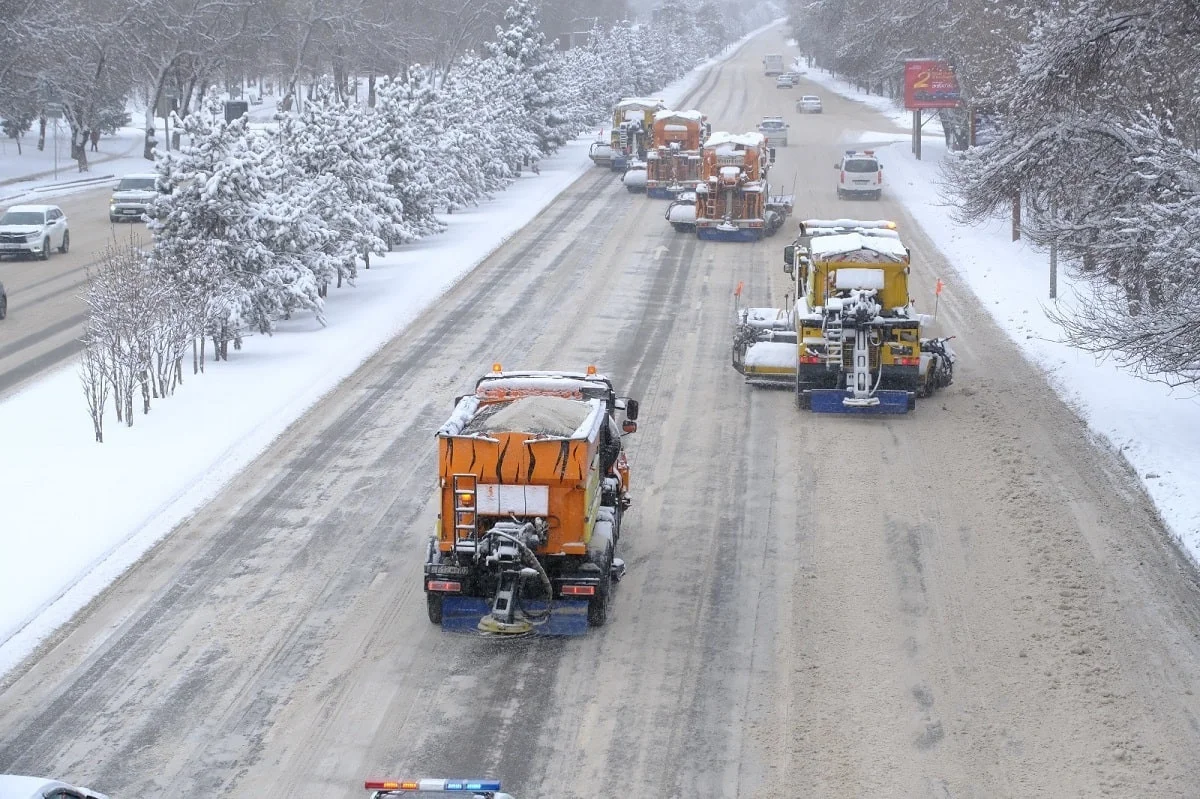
(1155, 428)
(77, 514)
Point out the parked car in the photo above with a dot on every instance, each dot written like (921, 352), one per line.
(17, 787)
(784, 81)
(3, 302)
(809, 104)
(34, 230)
(859, 173)
(132, 197)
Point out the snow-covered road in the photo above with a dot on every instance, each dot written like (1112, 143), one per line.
(968, 601)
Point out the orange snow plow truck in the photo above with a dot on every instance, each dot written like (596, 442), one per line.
(534, 484)
(673, 165)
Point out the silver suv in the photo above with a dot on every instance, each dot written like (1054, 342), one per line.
(132, 197)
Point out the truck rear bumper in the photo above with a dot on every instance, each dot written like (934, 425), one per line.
(568, 617)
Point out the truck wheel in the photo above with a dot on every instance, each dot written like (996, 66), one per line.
(433, 603)
(597, 613)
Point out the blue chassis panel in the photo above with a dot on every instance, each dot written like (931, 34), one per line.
(618, 162)
(829, 400)
(660, 193)
(741, 234)
(463, 613)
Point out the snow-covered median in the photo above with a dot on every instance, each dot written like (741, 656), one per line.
(1155, 428)
(75, 514)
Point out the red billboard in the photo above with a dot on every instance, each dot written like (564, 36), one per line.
(929, 83)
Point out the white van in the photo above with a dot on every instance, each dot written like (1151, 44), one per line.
(859, 174)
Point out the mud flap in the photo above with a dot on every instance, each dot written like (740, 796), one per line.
(463, 614)
(831, 400)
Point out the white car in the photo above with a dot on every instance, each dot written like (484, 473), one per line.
(859, 174)
(15, 787)
(774, 130)
(809, 104)
(784, 82)
(132, 197)
(34, 230)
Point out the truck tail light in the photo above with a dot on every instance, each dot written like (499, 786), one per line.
(443, 586)
(579, 590)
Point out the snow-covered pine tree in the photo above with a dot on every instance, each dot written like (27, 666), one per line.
(408, 149)
(521, 47)
(240, 230)
(471, 145)
(333, 143)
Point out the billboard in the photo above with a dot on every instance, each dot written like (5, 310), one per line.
(929, 83)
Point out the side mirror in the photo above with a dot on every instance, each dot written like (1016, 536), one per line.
(458, 399)
(631, 410)
(772, 155)
(789, 257)
(629, 426)
(788, 268)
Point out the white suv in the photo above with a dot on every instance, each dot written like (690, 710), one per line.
(859, 173)
(34, 230)
(132, 196)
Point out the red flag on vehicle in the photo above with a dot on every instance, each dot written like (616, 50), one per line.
(940, 286)
(737, 292)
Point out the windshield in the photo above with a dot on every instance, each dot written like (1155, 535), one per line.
(771, 123)
(808, 98)
(861, 165)
(136, 184)
(22, 218)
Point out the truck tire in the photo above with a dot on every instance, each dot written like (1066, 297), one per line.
(597, 612)
(433, 603)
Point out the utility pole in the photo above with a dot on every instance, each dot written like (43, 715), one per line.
(1053, 255)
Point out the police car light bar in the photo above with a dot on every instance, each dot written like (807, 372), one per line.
(432, 785)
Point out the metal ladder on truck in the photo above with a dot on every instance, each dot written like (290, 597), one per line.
(466, 522)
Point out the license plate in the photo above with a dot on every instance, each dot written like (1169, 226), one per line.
(448, 570)
(7, 246)
(130, 211)
(862, 183)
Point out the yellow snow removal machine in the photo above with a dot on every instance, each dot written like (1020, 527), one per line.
(852, 342)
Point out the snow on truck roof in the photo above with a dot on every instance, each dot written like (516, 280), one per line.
(694, 116)
(641, 103)
(847, 243)
(721, 137)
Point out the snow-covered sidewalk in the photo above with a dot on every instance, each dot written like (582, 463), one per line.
(1155, 428)
(77, 514)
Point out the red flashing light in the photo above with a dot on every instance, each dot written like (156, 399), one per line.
(444, 586)
(810, 359)
(908, 361)
(379, 785)
(579, 590)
